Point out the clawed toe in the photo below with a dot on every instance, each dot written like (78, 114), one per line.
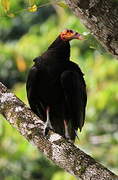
(46, 130)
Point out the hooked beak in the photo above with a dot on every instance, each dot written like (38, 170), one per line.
(78, 36)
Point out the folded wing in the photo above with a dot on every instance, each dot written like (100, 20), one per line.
(75, 98)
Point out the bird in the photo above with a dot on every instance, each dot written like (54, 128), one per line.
(56, 89)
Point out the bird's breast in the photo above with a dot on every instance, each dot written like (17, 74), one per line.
(50, 85)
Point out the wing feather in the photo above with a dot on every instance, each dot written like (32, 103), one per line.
(33, 92)
(75, 97)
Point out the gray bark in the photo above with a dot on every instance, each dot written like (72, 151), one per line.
(101, 18)
(56, 148)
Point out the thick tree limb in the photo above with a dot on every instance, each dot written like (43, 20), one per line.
(56, 148)
(101, 18)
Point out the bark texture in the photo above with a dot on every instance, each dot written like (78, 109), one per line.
(56, 148)
(101, 18)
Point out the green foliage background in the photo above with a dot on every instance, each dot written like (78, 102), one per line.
(26, 36)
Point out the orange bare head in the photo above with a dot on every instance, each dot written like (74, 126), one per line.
(69, 34)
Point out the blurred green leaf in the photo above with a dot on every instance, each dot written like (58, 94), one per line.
(62, 4)
(31, 2)
(12, 15)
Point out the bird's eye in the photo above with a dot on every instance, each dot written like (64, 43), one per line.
(71, 31)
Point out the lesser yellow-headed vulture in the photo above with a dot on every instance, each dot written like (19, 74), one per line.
(56, 88)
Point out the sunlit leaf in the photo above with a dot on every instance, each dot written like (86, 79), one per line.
(62, 4)
(5, 4)
(33, 8)
(20, 62)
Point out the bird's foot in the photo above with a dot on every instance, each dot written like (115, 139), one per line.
(47, 127)
(68, 138)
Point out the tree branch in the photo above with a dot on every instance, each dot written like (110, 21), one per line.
(101, 18)
(55, 147)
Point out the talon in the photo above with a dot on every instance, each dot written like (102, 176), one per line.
(46, 130)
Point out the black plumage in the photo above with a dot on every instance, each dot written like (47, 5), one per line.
(56, 88)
